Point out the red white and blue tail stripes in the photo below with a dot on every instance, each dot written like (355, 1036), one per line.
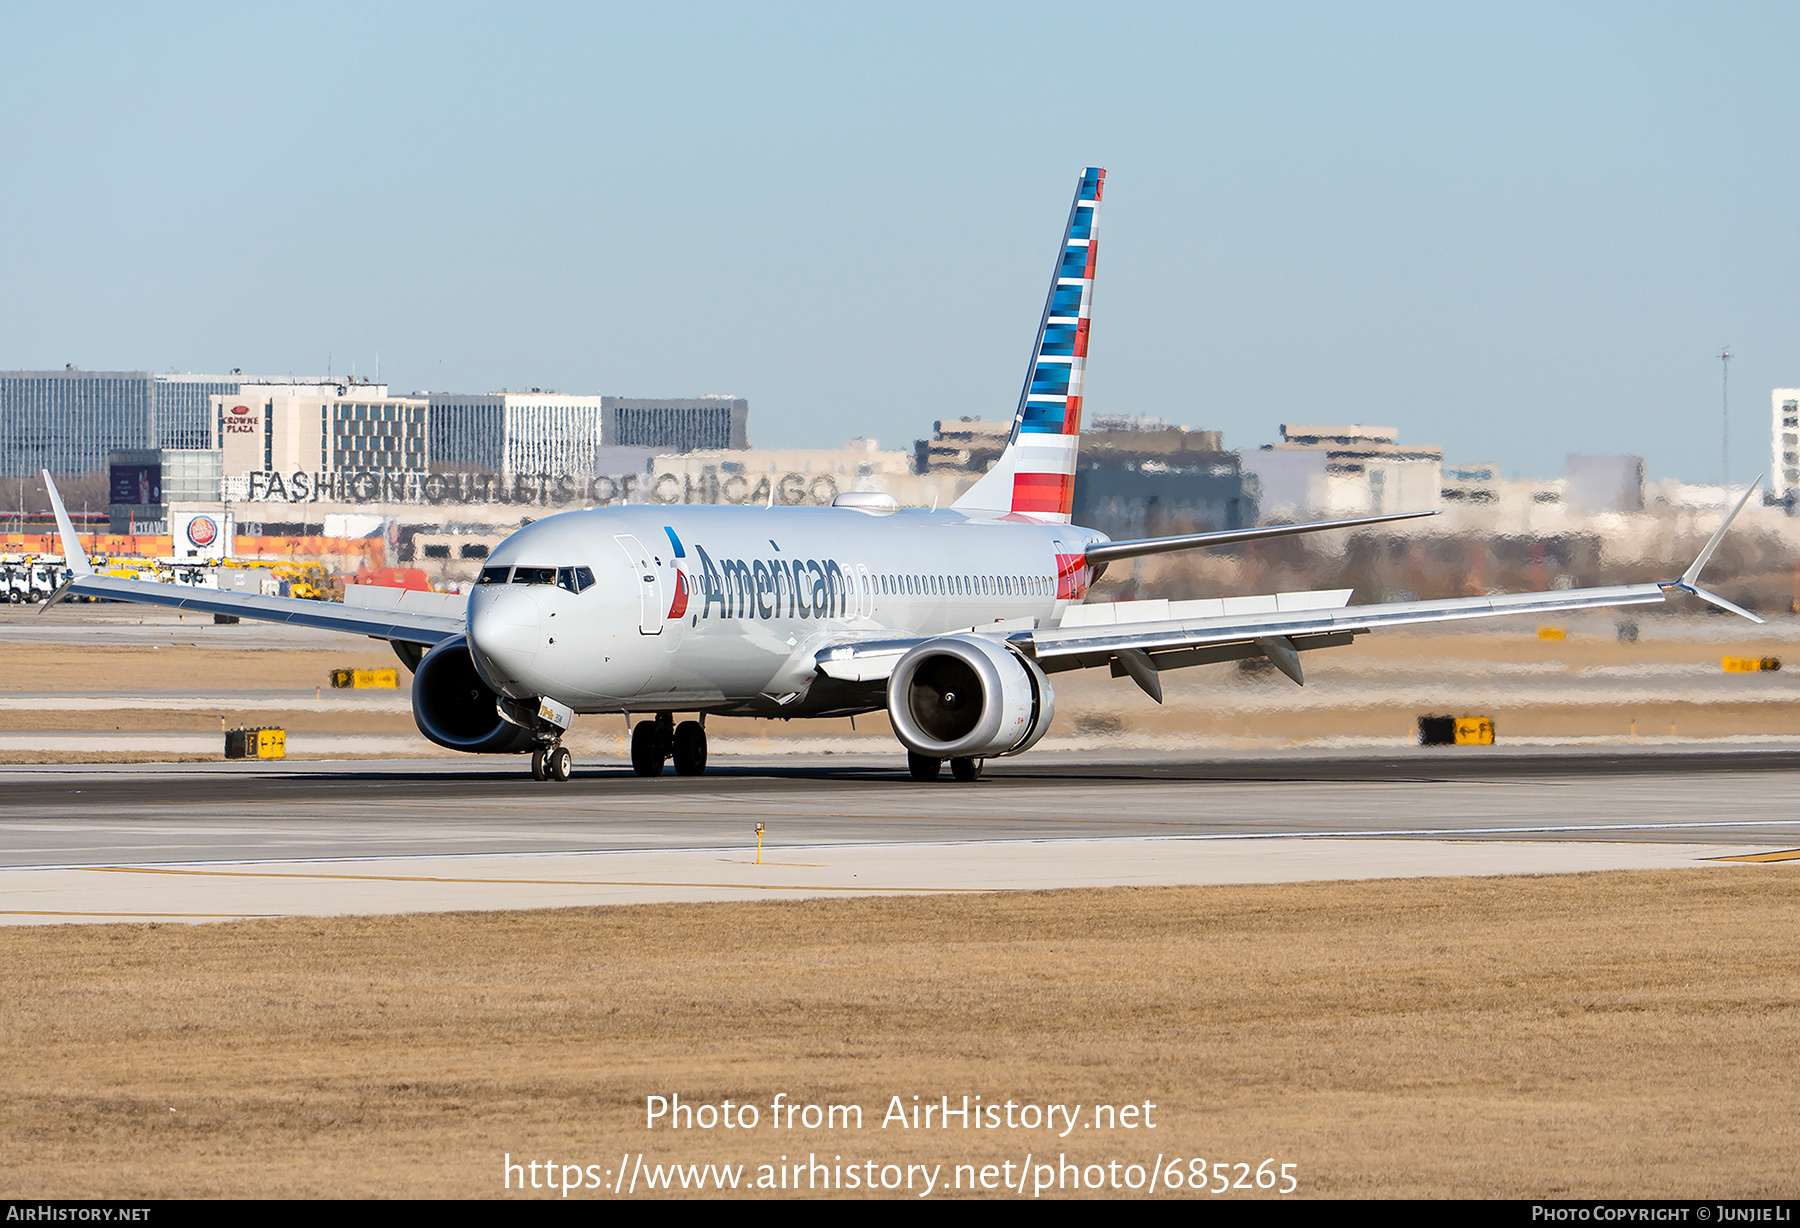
(1035, 475)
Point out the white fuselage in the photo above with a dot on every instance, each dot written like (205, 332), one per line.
(725, 608)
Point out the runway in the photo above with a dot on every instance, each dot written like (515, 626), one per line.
(247, 839)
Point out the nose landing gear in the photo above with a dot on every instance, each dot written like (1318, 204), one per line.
(552, 762)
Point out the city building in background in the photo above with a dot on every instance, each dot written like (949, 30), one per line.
(522, 433)
(1785, 410)
(144, 482)
(514, 432)
(789, 476)
(1344, 471)
(1134, 476)
(966, 446)
(67, 421)
(359, 429)
(691, 424)
(1604, 484)
(1142, 477)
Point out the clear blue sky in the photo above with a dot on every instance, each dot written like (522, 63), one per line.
(1518, 234)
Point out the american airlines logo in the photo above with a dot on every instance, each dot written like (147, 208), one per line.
(773, 588)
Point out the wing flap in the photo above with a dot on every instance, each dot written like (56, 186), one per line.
(1099, 642)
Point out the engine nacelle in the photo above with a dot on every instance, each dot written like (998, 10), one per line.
(453, 707)
(963, 696)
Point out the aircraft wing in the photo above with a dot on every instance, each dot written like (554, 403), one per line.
(1140, 650)
(409, 626)
(411, 618)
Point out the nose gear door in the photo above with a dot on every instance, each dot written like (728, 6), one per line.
(649, 584)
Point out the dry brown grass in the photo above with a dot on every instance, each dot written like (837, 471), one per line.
(146, 669)
(45, 757)
(1620, 1035)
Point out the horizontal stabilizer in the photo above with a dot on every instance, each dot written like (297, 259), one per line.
(1106, 552)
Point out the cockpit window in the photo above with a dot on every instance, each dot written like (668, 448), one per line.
(575, 579)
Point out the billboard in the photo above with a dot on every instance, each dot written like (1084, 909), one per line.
(200, 535)
(541, 489)
(139, 484)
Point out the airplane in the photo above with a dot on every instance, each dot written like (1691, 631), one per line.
(952, 621)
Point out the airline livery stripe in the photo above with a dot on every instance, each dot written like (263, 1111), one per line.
(1036, 459)
(1043, 492)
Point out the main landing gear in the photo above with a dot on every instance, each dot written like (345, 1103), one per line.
(655, 742)
(553, 762)
(924, 767)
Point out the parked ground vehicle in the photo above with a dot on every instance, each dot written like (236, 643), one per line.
(14, 578)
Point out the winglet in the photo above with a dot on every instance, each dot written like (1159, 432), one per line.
(1687, 582)
(74, 557)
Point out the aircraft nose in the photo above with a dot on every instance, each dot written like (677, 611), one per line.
(504, 632)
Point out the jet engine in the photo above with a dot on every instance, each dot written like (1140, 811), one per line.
(963, 696)
(453, 707)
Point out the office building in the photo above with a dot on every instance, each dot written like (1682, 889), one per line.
(1785, 410)
(68, 421)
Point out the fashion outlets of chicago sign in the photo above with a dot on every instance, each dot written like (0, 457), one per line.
(539, 489)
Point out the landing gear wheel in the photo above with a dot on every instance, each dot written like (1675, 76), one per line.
(690, 748)
(966, 769)
(647, 752)
(559, 763)
(923, 767)
(537, 765)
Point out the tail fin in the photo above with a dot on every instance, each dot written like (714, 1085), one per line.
(1035, 475)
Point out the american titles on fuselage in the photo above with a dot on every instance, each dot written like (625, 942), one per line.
(781, 587)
